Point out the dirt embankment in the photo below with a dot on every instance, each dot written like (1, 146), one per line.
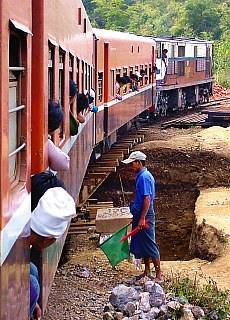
(192, 205)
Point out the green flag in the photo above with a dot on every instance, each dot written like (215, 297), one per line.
(113, 249)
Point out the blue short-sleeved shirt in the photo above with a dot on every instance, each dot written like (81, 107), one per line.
(145, 185)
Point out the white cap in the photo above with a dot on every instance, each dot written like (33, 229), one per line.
(138, 74)
(136, 155)
(53, 213)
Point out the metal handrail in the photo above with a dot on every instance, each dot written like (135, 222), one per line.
(17, 150)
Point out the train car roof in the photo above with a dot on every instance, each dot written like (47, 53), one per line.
(180, 39)
(111, 34)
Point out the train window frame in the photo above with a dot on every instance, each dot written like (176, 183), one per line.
(150, 73)
(79, 16)
(77, 71)
(82, 76)
(173, 51)
(112, 82)
(17, 120)
(100, 86)
(131, 70)
(61, 90)
(158, 50)
(86, 77)
(85, 25)
(51, 64)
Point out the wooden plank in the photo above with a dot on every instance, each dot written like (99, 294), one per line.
(96, 175)
(111, 163)
(101, 169)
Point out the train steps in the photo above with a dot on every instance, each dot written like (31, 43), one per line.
(98, 171)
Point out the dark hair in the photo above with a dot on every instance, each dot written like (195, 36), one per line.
(165, 50)
(73, 89)
(142, 71)
(82, 102)
(40, 183)
(134, 76)
(128, 80)
(91, 99)
(118, 77)
(122, 80)
(55, 115)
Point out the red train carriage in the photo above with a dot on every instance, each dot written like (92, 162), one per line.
(15, 104)
(62, 50)
(121, 54)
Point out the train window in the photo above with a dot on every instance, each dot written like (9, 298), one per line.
(86, 76)
(112, 81)
(125, 71)
(171, 67)
(85, 24)
(71, 63)
(181, 51)
(200, 64)
(158, 51)
(181, 68)
(82, 75)
(78, 72)
(51, 72)
(89, 77)
(61, 76)
(132, 49)
(195, 52)
(138, 49)
(150, 73)
(136, 68)
(79, 16)
(17, 54)
(130, 71)
(100, 86)
(173, 51)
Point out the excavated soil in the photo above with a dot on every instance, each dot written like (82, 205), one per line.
(192, 206)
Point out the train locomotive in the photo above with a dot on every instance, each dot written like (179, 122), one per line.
(184, 75)
(43, 45)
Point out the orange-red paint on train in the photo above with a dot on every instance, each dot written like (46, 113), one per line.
(44, 44)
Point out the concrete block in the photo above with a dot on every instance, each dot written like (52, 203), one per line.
(109, 220)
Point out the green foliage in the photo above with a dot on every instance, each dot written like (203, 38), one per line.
(222, 62)
(207, 296)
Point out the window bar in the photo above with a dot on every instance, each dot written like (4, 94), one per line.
(17, 150)
(17, 108)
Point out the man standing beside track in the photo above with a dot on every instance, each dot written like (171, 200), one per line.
(143, 244)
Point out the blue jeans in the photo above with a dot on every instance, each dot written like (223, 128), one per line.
(34, 287)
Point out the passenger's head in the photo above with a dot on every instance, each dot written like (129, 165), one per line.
(55, 116)
(134, 77)
(122, 81)
(82, 102)
(40, 183)
(142, 72)
(165, 50)
(128, 80)
(53, 210)
(73, 90)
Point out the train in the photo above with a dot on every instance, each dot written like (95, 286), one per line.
(43, 44)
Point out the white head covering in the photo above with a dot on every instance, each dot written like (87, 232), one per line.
(53, 213)
(136, 155)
